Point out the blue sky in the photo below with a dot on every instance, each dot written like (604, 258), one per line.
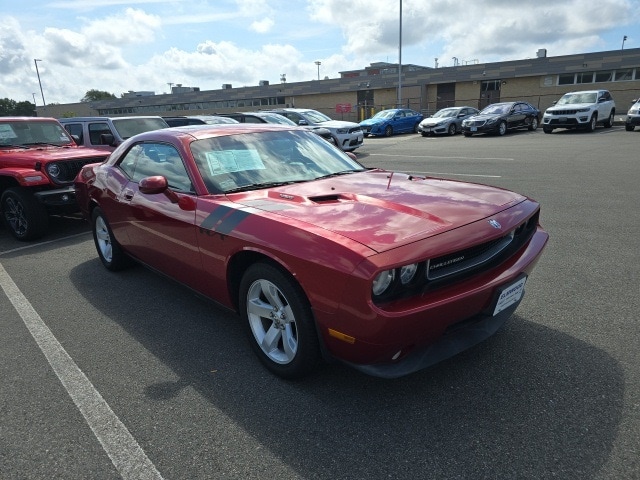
(118, 46)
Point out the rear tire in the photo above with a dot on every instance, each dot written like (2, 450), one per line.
(609, 121)
(279, 321)
(111, 254)
(24, 216)
(533, 126)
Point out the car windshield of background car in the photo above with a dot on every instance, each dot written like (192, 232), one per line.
(275, 118)
(447, 112)
(315, 117)
(495, 110)
(573, 98)
(385, 114)
(33, 133)
(128, 127)
(263, 159)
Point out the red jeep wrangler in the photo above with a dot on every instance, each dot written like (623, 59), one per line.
(38, 162)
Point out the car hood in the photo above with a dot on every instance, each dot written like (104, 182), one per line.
(435, 121)
(380, 209)
(49, 154)
(338, 124)
(372, 121)
(570, 106)
(484, 118)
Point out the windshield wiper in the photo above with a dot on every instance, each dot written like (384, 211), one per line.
(42, 143)
(11, 145)
(258, 186)
(336, 174)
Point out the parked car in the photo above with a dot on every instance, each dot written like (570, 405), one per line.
(182, 121)
(320, 256)
(392, 121)
(38, 162)
(447, 121)
(269, 117)
(501, 117)
(109, 132)
(583, 110)
(346, 135)
(633, 116)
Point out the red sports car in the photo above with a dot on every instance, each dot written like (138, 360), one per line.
(321, 257)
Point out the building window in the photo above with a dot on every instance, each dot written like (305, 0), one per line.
(566, 79)
(605, 76)
(586, 77)
(622, 75)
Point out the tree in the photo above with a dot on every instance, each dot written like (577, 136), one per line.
(11, 108)
(94, 95)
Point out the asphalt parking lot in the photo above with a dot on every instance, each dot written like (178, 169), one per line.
(172, 390)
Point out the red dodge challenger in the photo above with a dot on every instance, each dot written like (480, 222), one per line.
(321, 257)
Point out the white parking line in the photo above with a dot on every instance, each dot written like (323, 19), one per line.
(444, 174)
(33, 245)
(123, 450)
(440, 157)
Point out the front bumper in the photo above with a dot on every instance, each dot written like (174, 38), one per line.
(578, 120)
(62, 200)
(433, 129)
(633, 120)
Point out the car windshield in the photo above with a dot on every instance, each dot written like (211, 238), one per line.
(275, 118)
(573, 98)
(446, 112)
(385, 114)
(496, 109)
(315, 117)
(217, 120)
(257, 160)
(25, 133)
(128, 127)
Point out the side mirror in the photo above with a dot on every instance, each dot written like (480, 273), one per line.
(76, 139)
(107, 139)
(158, 184)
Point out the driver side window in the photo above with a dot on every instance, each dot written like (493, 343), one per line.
(151, 159)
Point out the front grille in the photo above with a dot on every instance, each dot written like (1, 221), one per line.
(563, 112)
(476, 123)
(465, 259)
(70, 168)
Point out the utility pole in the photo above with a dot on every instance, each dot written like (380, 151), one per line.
(35, 61)
(400, 61)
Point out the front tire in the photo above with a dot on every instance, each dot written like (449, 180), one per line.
(547, 130)
(279, 321)
(388, 131)
(629, 128)
(467, 134)
(24, 216)
(111, 254)
(502, 128)
(592, 123)
(452, 129)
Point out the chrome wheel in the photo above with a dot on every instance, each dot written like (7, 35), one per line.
(279, 321)
(272, 321)
(103, 240)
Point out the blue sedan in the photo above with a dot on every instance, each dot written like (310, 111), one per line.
(394, 120)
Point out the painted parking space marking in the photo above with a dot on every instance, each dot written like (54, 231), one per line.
(126, 455)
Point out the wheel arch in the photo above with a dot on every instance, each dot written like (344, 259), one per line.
(242, 260)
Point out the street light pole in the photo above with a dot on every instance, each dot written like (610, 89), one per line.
(318, 63)
(624, 39)
(400, 61)
(35, 61)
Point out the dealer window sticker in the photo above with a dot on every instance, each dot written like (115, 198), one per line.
(230, 161)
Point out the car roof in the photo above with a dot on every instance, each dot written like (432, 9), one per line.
(214, 130)
(98, 118)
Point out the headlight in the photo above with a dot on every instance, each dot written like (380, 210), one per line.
(53, 170)
(342, 131)
(582, 110)
(382, 282)
(491, 121)
(407, 273)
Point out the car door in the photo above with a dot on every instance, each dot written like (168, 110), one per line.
(158, 229)
(516, 116)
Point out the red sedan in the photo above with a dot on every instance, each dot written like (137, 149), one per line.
(321, 257)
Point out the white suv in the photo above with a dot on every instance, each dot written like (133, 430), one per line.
(347, 135)
(580, 110)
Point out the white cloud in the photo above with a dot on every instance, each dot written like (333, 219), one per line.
(262, 26)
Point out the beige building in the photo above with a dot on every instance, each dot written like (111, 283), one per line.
(357, 94)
